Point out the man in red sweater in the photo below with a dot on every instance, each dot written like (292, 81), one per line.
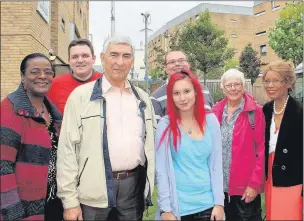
(81, 59)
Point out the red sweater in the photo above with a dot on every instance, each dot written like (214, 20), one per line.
(25, 154)
(63, 86)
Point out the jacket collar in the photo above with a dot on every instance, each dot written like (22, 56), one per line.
(23, 106)
(97, 90)
(97, 94)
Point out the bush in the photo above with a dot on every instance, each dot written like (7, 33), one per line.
(218, 95)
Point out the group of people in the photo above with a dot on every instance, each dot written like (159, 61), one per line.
(87, 145)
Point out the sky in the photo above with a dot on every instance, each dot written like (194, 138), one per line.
(129, 21)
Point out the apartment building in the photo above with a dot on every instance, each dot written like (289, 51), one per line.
(242, 25)
(265, 15)
(38, 26)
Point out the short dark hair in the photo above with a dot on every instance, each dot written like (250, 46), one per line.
(26, 59)
(81, 41)
(166, 55)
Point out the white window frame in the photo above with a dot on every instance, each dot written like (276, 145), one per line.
(234, 36)
(43, 8)
(259, 14)
(263, 52)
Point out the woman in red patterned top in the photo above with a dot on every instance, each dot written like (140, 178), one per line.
(29, 136)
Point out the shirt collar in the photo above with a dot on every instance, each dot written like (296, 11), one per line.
(106, 85)
(240, 107)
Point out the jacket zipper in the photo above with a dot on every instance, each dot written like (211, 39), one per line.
(85, 163)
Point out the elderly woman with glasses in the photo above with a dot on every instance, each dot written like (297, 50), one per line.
(284, 144)
(29, 136)
(242, 127)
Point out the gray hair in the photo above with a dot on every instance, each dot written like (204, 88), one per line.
(232, 74)
(118, 40)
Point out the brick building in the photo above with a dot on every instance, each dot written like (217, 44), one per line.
(242, 25)
(265, 15)
(38, 26)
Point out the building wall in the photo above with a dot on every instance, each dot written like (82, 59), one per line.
(25, 31)
(265, 16)
(246, 27)
(20, 36)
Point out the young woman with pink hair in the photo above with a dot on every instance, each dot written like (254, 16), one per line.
(188, 155)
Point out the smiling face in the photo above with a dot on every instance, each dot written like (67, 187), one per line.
(176, 61)
(234, 89)
(81, 61)
(117, 61)
(275, 86)
(184, 95)
(38, 76)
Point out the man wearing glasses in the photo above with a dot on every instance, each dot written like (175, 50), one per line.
(176, 61)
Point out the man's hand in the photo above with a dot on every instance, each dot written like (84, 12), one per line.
(217, 213)
(73, 214)
(249, 195)
(168, 216)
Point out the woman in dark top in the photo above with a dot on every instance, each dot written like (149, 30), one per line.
(283, 144)
(30, 126)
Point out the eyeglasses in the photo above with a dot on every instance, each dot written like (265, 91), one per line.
(236, 86)
(179, 61)
(48, 73)
(274, 82)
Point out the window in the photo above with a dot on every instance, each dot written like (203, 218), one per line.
(263, 50)
(259, 14)
(43, 9)
(233, 20)
(234, 36)
(62, 25)
(197, 17)
(274, 6)
(260, 33)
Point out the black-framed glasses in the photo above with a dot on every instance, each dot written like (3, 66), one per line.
(179, 61)
(236, 86)
(274, 82)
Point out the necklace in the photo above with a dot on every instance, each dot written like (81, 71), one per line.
(189, 131)
(283, 108)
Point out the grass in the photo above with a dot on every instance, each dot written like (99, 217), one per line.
(152, 209)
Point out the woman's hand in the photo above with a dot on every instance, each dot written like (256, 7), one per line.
(168, 216)
(217, 213)
(249, 195)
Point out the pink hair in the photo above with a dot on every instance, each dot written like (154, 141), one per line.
(173, 113)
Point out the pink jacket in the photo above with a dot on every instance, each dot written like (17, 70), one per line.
(247, 162)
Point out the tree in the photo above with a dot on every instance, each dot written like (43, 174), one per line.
(205, 44)
(250, 63)
(231, 63)
(157, 74)
(286, 39)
